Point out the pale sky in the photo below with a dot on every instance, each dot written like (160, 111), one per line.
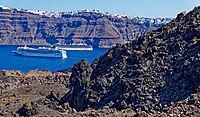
(142, 8)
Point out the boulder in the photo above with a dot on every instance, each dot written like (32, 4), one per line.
(79, 80)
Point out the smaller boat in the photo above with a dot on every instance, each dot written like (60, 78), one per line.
(78, 46)
(41, 52)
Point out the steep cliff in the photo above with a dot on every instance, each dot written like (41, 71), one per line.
(91, 26)
(157, 73)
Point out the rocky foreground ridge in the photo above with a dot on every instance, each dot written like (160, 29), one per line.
(19, 27)
(158, 73)
(10, 79)
(18, 89)
(37, 93)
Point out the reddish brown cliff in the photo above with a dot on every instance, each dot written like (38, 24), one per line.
(19, 27)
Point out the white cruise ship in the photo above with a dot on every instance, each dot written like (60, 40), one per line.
(79, 46)
(41, 52)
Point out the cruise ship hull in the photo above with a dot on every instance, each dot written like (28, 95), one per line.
(32, 52)
(37, 55)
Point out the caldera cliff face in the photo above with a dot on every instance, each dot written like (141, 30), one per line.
(99, 29)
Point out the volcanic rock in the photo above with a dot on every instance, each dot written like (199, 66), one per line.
(15, 78)
(28, 109)
(156, 73)
(80, 78)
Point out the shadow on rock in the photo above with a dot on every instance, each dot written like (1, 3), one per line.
(28, 109)
(183, 79)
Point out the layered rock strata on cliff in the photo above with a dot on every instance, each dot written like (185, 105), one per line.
(99, 29)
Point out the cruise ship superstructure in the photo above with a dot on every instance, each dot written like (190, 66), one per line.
(79, 46)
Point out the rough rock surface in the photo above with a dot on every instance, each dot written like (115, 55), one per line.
(29, 109)
(80, 78)
(158, 74)
(17, 101)
(23, 94)
(10, 79)
(98, 29)
(42, 99)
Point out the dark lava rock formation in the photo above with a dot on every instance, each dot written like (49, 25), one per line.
(95, 28)
(159, 72)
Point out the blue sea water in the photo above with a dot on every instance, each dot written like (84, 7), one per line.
(9, 61)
